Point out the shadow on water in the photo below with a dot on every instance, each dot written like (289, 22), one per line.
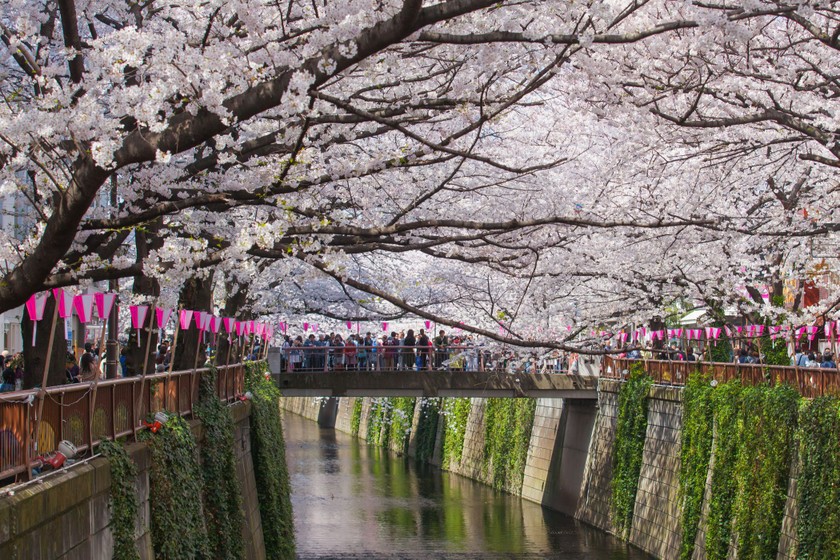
(354, 500)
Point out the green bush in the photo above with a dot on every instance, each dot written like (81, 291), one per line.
(695, 452)
(818, 522)
(631, 427)
(507, 435)
(402, 415)
(268, 450)
(178, 530)
(123, 502)
(222, 495)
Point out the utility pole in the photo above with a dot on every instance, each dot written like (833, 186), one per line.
(112, 347)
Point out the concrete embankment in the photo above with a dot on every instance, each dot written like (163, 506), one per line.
(569, 462)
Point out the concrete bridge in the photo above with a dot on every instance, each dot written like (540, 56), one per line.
(434, 384)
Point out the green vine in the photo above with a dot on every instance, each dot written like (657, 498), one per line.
(123, 503)
(222, 496)
(507, 424)
(726, 403)
(695, 453)
(379, 415)
(631, 427)
(818, 523)
(763, 468)
(178, 530)
(456, 412)
(402, 415)
(268, 450)
(356, 418)
(427, 429)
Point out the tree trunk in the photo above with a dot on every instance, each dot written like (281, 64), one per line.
(235, 302)
(197, 295)
(33, 356)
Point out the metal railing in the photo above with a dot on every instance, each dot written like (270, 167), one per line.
(87, 413)
(810, 382)
(394, 358)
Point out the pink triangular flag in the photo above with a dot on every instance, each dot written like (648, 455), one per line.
(215, 323)
(229, 324)
(240, 327)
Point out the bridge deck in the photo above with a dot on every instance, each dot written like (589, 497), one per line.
(434, 384)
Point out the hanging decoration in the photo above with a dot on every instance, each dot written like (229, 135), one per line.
(138, 318)
(35, 306)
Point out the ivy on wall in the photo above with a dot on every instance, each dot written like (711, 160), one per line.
(456, 412)
(177, 515)
(123, 503)
(726, 402)
(427, 426)
(402, 415)
(356, 418)
(695, 452)
(379, 415)
(507, 424)
(222, 496)
(268, 450)
(763, 468)
(818, 486)
(631, 427)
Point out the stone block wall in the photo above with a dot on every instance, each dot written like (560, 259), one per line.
(66, 515)
(789, 540)
(472, 457)
(344, 418)
(308, 407)
(596, 490)
(656, 516)
(252, 534)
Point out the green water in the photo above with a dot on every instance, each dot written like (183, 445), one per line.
(354, 500)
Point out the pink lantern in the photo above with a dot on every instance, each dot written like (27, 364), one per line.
(305, 327)
(162, 315)
(35, 306)
(385, 326)
(240, 327)
(428, 324)
(230, 324)
(64, 301)
(349, 325)
(104, 303)
(185, 319)
(84, 307)
(215, 323)
(138, 318)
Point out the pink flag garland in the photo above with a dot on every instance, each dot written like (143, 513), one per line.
(240, 327)
(229, 323)
(385, 326)
(428, 324)
(305, 327)
(812, 332)
(35, 306)
(349, 325)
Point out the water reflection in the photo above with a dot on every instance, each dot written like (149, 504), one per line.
(352, 500)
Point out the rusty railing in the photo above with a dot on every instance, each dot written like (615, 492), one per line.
(87, 413)
(810, 382)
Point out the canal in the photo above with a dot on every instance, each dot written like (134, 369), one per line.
(354, 500)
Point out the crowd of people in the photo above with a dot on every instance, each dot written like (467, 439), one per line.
(746, 353)
(400, 350)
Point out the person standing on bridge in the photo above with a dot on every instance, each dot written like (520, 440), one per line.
(423, 344)
(441, 342)
(408, 344)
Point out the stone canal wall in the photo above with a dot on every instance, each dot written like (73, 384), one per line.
(569, 461)
(67, 515)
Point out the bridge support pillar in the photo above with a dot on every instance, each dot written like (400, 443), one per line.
(328, 412)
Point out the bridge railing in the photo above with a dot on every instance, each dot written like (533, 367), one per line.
(87, 413)
(810, 382)
(389, 358)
